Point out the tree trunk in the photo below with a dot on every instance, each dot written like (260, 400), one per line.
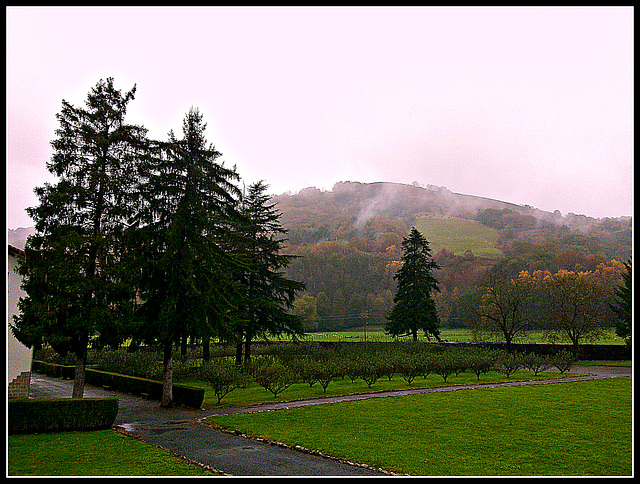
(206, 348)
(183, 346)
(239, 353)
(247, 349)
(79, 376)
(167, 384)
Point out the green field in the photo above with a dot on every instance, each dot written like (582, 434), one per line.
(96, 453)
(457, 235)
(376, 333)
(581, 428)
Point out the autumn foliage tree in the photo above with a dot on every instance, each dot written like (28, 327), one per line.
(576, 306)
(505, 309)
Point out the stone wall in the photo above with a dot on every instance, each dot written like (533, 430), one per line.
(19, 386)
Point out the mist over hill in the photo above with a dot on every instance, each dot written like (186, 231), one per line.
(346, 211)
(348, 243)
(357, 204)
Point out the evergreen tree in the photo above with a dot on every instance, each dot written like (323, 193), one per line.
(267, 295)
(182, 235)
(72, 269)
(622, 305)
(414, 307)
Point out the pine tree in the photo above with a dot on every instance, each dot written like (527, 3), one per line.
(414, 309)
(623, 303)
(72, 273)
(183, 234)
(267, 295)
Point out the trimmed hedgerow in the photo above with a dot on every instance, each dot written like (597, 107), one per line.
(61, 414)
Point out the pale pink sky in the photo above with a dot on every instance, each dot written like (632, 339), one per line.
(527, 105)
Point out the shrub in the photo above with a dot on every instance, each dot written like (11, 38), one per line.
(306, 368)
(563, 360)
(61, 414)
(369, 370)
(351, 368)
(326, 371)
(271, 374)
(410, 367)
(536, 363)
(445, 364)
(182, 394)
(223, 375)
(480, 362)
(508, 363)
(141, 363)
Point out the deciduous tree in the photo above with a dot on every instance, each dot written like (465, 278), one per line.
(505, 308)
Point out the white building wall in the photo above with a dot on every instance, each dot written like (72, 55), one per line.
(18, 356)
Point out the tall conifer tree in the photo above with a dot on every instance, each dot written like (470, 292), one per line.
(182, 239)
(266, 294)
(72, 272)
(414, 308)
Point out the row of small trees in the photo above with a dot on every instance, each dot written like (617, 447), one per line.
(148, 240)
(569, 305)
(286, 365)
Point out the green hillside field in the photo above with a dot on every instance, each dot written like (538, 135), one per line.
(457, 235)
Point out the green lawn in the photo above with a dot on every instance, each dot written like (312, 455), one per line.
(581, 428)
(97, 453)
(376, 333)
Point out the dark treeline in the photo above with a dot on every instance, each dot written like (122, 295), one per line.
(148, 241)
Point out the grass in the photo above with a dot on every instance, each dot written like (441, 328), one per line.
(97, 453)
(580, 428)
(254, 394)
(376, 333)
(458, 235)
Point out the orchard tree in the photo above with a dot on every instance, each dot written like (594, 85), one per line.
(182, 236)
(77, 289)
(414, 308)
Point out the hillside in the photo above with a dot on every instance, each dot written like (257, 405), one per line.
(349, 245)
(458, 222)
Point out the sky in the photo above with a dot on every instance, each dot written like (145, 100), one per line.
(531, 106)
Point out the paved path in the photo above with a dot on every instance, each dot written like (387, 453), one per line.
(180, 430)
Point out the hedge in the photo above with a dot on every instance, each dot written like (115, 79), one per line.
(53, 369)
(182, 394)
(28, 416)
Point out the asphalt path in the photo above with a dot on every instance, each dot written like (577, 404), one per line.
(181, 431)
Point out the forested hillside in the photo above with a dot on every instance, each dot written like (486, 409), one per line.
(348, 240)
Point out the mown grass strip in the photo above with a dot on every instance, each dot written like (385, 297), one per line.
(581, 428)
(96, 453)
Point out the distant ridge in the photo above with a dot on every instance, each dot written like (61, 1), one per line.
(407, 201)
